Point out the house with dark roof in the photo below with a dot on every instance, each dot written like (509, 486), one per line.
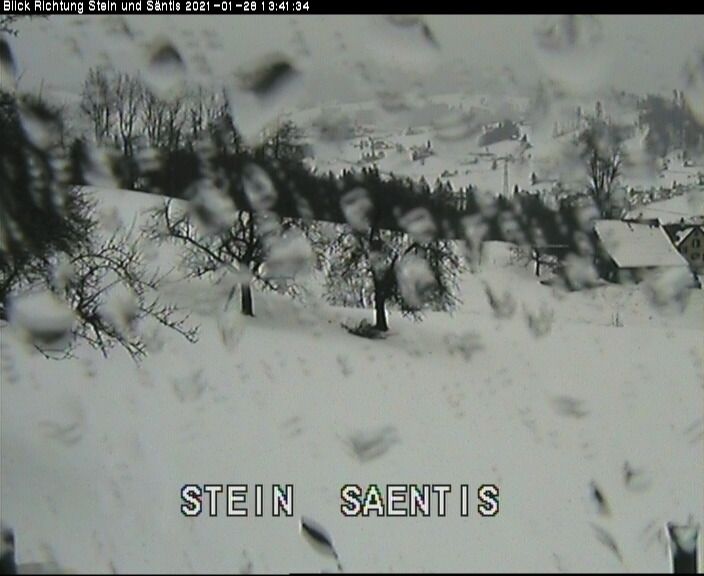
(506, 130)
(690, 243)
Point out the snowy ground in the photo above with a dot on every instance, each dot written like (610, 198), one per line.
(94, 452)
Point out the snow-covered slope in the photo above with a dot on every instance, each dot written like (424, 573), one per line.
(453, 123)
(546, 396)
(687, 208)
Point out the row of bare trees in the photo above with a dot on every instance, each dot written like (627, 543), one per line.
(124, 112)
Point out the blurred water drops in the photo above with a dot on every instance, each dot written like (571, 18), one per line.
(635, 479)
(694, 85)
(263, 89)
(670, 287)
(268, 75)
(117, 25)
(120, 308)
(564, 33)
(599, 499)
(403, 42)
(289, 257)
(45, 319)
(165, 57)
(319, 538)
(97, 167)
(466, 344)
(60, 164)
(110, 219)
(73, 47)
(456, 125)
(540, 321)
(580, 273)
(190, 387)
(393, 101)
(68, 422)
(569, 406)
(63, 272)
(416, 280)
(105, 59)
(268, 228)
(503, 304)
(214, 210)
(604, 537)
(8, 68)
(414, 22)
(641, 163)
(333, 126)
(148, 159)
(166, 68)
(41, 126)
(368, 445)
(299, 42)
(571, 51)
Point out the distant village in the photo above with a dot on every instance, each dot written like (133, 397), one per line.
(661, 221)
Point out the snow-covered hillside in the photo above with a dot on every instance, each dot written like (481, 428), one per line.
(549, 396)
(454, 123)
(685, 208)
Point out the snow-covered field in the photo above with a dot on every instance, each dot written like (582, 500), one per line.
(599, 389)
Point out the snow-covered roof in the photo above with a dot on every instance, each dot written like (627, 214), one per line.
(634, 245)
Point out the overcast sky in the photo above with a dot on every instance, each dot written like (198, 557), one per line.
(636, 53)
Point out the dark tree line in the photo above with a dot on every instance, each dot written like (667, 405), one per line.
(671, 125)
(49, 239)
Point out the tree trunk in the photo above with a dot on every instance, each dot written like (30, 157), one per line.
(380, 284)
(537, 263)
(381, 323)
(246, 297)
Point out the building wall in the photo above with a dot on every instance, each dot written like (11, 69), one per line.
(692, 248)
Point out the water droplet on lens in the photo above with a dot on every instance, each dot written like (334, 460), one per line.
(571, 51)
(8, 68)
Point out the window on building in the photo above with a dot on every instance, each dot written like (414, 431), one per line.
(695, 243)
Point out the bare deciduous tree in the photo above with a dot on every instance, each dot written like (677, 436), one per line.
(602, 153)
(202, 111)
(98, 102)
(117, 264)
(152, 117)
(129, 95)
(285, 142)
(366, 270)
(238, 250)
(174, 123)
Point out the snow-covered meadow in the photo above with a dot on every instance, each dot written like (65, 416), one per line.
(549, 395)
(584, 409)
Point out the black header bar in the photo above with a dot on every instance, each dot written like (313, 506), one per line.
(267, 7)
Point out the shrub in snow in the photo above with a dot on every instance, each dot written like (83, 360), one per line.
(365, 329)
